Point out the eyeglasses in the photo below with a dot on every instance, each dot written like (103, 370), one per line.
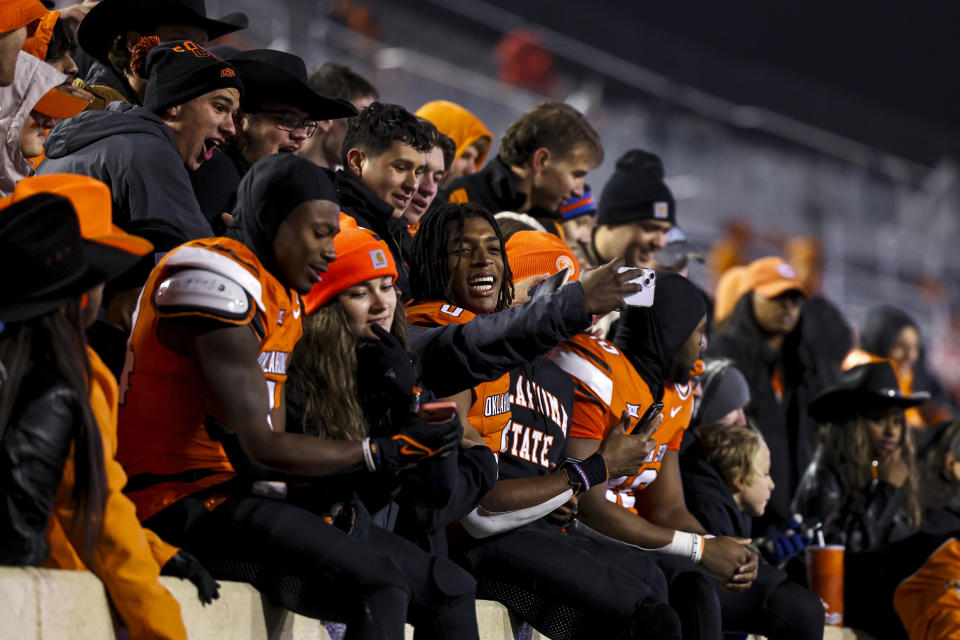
(289, 121)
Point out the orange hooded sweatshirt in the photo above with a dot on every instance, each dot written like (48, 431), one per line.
(127, 559)
(453, 120)
(19, 13)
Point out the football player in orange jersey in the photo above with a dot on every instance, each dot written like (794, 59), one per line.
(653, 352)
(214, 329)
(511, 548)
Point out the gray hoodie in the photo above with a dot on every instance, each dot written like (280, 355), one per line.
(134, 153)
(33, 79)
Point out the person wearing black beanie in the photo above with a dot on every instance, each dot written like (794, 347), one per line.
(635, 212)
(145, 153)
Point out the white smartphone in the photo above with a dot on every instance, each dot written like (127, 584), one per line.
(644, 297)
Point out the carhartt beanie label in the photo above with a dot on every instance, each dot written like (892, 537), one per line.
(636, 191)
(179, 71)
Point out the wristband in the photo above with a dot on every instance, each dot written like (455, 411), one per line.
(366, 446)
(687, 545)
(582, 475)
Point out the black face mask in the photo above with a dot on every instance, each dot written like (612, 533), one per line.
(271, 189)
(652, 337)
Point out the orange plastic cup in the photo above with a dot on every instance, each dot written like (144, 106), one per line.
(825, 577)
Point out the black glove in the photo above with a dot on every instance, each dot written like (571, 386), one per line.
(415, 441)
(386, 377)
(184, 565)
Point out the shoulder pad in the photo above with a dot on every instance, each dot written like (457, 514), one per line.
(202, 292)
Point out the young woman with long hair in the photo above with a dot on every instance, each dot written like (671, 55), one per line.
(44, 377)
(862, 483)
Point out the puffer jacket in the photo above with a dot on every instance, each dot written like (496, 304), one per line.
(33, 452)
(862, 518)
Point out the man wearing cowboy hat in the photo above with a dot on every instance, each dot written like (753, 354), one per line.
(112, 28)
(280, 113)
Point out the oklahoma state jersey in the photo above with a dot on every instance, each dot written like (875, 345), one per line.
(541, 407)
(605, 385)
(490, 411)
(163, 443)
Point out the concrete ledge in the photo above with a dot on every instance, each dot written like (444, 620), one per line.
(48, 604)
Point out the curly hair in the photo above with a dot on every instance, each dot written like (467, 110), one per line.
(376, 128)
(554, 125)
(730, 450)
(430, 278)
(323, 368)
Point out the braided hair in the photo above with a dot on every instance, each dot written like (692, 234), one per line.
(430, 279)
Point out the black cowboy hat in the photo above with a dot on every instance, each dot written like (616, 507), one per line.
(112, 18)
(40, 242)
(275, 76)
(866, 387)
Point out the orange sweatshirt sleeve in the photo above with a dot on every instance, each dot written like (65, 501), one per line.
(123, 558)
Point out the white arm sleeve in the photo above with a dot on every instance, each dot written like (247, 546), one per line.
(482, 526)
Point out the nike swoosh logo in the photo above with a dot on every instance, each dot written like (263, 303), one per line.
(674, 411)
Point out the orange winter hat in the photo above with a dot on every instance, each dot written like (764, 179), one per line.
(93, 203)
(453, 120)
(728, 293)
(770, 277)
(361, 256)
(19, 13)
(532, 253)
(36, 45)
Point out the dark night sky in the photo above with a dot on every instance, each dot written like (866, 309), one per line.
(884, 73)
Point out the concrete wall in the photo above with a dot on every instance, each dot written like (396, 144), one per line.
(47, 604)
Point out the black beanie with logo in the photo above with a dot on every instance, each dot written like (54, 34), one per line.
(636, 191)
(179, 71)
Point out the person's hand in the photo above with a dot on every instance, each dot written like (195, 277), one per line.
(625, 452)
(892, 468)
(723, 557)
(385, 372)
(185, 565)
(73, 15)
(564, 514)
(521, 289)
(745, 575)
(604, 287)
(416, 441)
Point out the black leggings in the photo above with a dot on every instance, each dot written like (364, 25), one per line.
(567, 586)
(773, 606)
(372, 580)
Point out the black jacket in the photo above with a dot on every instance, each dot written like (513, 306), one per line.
(862, 518)
(215, 184)
(101, 74)
(460, 356)
(35, 445)
(707, 496)
(789, 432)
(370, 212)
(494, 188)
